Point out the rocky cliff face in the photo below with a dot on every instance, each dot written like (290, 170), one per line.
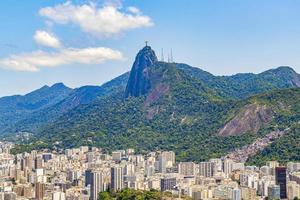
(251, 119)
(138, 83)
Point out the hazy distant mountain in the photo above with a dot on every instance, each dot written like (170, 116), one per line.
(14, 108)
(78, 96)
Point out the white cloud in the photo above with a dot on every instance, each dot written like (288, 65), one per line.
(36, 60)
(134, 10)
(114, 3)
(105, 21)
(46, 39)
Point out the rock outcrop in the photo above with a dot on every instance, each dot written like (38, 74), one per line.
(138, 83)
(251, 119)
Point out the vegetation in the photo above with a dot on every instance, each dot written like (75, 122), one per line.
(285, 149)
(130, 194)
(178, 108)
(241, 86)
(180, 113)
(30, 112)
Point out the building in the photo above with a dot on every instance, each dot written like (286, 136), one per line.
(248, 193)
(117, 178)
(46, 157)
(236, 194)
(201, 192)
(117, 156)
(38, 162)
(293, 190)
(280, 175)
(39, 191)
(295, 176)
(166, 159)
(99, 183)
(227, 166)
(249, 179)
(218, 164)
(88, 177)
(222, 192)
(58, 195)
(274, 192)
(9, 196)
(187, 168)
(207, 169)
(272, 165)
(167, 183)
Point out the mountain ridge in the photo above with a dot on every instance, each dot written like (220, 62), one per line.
(173, 106)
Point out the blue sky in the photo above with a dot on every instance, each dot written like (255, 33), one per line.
(220, 36)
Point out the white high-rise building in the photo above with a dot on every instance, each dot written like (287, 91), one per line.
(228, 167)
(166, 159)
(236, 194)
(218, 164)
(293, 190)
(58, 195)
(117, 178)
(206, 169)
(99, 183)
(187, 168)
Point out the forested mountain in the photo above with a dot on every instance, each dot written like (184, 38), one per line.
(169, 106)
(18, 107)
(65, 103)
(241, 86)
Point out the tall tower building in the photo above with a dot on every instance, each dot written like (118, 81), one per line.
(38, 162)
(236, 194)
(88, 177)
(187, 168)
(280, 175)
(117, 178)
(39, 191)
(99, 183)
(166, 159)
(227, 166)
(206, 169)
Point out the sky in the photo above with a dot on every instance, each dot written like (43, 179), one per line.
(89, 42)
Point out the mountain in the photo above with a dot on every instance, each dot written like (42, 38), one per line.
(182, 108)
(169, 106)
(17, 107)
(241, 86)
(76, 97)
(139, 80)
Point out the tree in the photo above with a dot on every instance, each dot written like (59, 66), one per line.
(104, 196)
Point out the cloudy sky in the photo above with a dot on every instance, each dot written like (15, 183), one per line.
(88, 42)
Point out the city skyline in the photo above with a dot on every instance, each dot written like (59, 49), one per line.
(91, 173)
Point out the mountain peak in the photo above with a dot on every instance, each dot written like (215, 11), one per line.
(59, 86)
(282, 70)
(138, 82)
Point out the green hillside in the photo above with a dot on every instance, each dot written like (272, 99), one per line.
(169, 106)
(179, 113)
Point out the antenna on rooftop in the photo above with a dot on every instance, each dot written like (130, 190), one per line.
(146, 42)
(162, 55)
(172, 56)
